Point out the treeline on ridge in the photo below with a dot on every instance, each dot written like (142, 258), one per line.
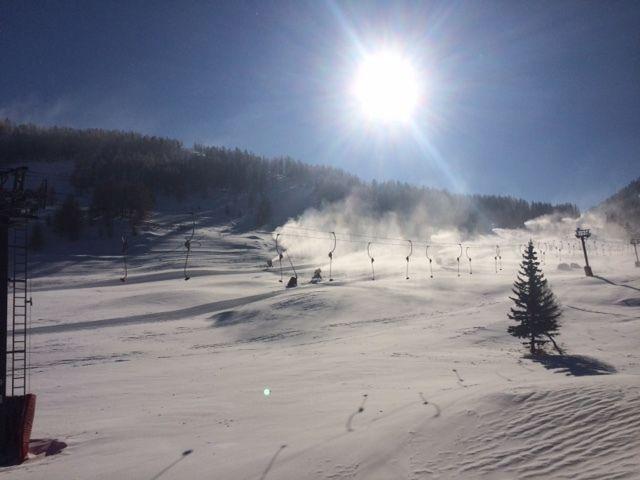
(623, 208)
(124, 173)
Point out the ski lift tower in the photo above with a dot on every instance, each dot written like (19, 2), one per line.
(582, 234)
(18, 204)
(635, 241)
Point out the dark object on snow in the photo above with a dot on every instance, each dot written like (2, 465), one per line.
(317, 276)
(293, 282)
(575, 365)
(536, 310)
(16, 421)
(46, 446)
(269, 263)
(172, 464)
(635, 242)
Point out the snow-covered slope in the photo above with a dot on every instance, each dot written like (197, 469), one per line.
(384, 379)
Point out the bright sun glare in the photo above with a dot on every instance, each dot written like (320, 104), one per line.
(386, 87)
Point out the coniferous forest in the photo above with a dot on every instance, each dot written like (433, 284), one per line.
(125, 173)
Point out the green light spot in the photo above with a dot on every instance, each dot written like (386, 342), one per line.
(266, 392)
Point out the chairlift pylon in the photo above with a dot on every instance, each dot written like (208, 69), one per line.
(373, 275)
(469, 257)
(498, 259)
(560, 251)
(187, 245)
(125, 248)
(333, 249)
(293, 281)
(430, 262)
(458, 258)
(280, 256)
(407, 258)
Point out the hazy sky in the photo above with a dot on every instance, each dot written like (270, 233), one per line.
(534, 99)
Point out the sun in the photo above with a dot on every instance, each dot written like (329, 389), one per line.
(386, 87)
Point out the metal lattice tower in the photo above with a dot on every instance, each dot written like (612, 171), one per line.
(17, 205)
(582, 234)
(17, 374)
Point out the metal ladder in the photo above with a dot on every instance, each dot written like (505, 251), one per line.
(20, 302)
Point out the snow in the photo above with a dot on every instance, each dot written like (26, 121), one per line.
(131, 375)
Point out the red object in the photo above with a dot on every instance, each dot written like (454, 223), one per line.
(29, 412)
(16, 422)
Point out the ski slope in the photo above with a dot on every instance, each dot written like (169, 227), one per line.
(385, 379)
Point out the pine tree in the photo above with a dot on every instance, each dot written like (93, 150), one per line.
(536, 310)
(68, 219)
(263, 215)
(36, 239)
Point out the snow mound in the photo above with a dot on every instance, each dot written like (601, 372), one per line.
(581, 432)
(630, 302)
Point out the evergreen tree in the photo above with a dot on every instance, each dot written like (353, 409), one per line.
(123, 172)
(36, 239)
(264, 211)
(68, 219)
(536, 310)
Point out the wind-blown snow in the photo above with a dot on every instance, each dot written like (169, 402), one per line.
(384, 379)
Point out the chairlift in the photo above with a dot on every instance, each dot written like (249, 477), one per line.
(187, 244)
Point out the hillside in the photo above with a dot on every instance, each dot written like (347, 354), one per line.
(385, 379)
(623, 208)
(124, 175)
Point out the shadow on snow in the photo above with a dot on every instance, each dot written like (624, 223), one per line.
(575, 365)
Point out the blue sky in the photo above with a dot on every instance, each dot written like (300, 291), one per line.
(533, 99)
